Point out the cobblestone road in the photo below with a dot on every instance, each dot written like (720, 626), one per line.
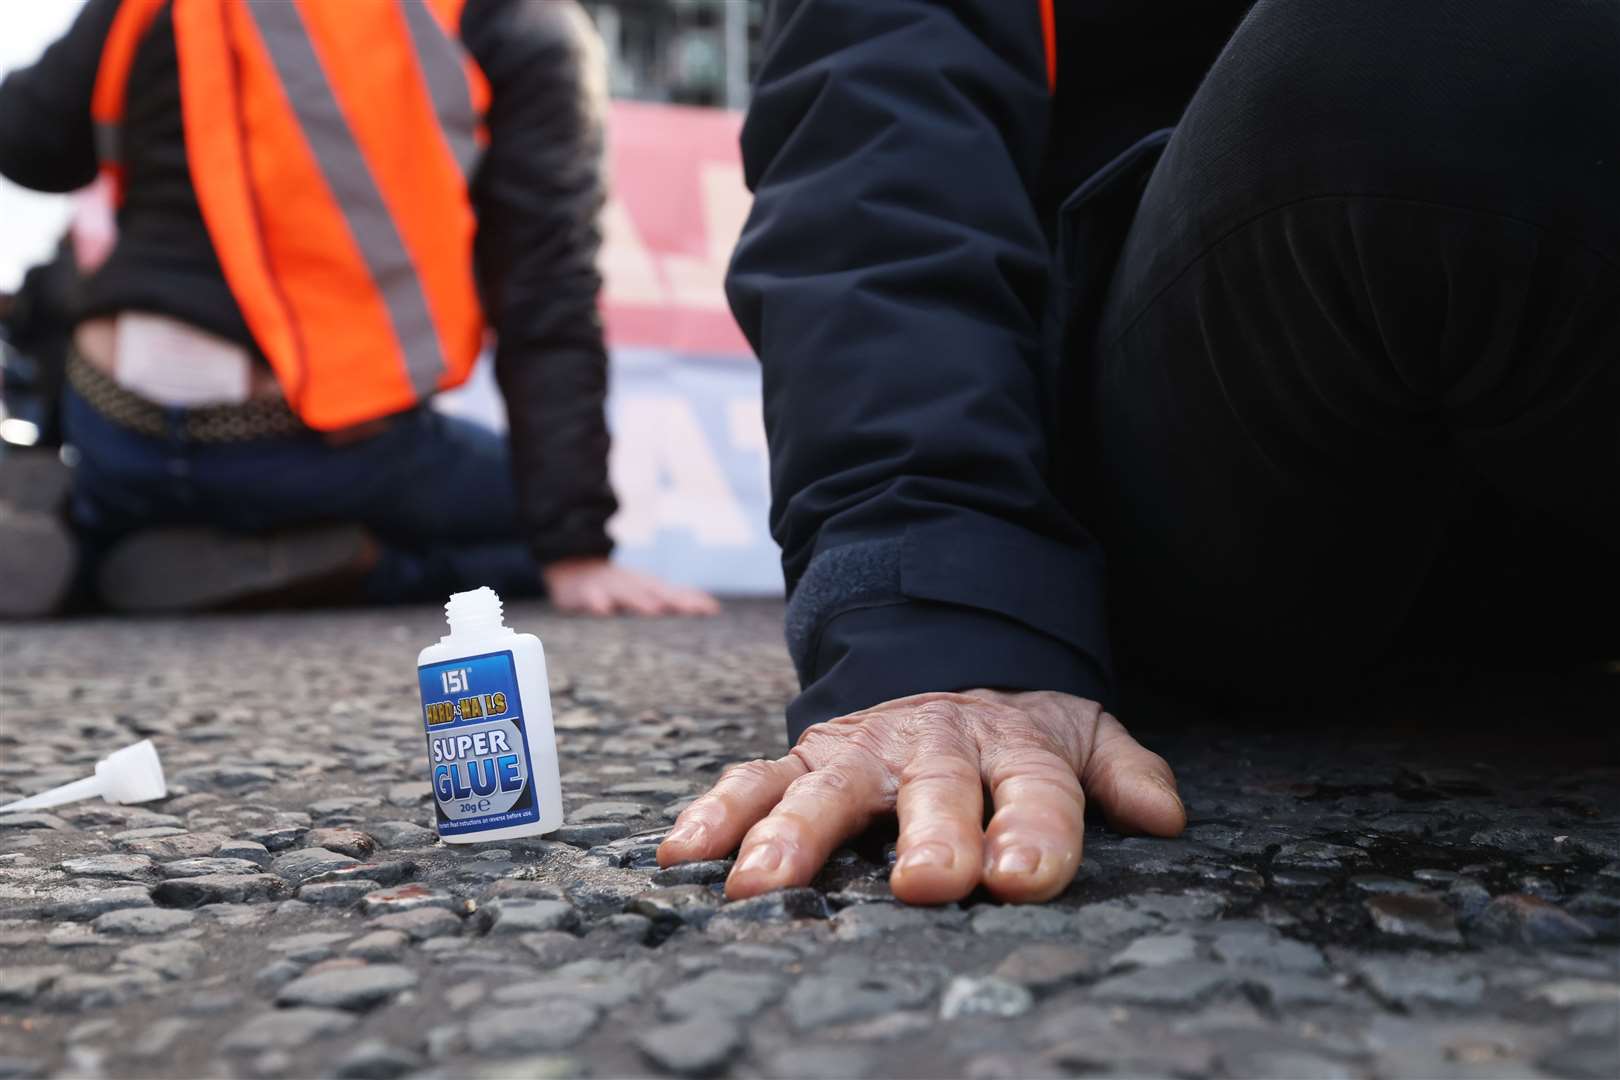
(1428, 890)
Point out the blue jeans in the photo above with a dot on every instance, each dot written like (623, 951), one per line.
(435, 492)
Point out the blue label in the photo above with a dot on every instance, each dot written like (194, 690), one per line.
(478, 745)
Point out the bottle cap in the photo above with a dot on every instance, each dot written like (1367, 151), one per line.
(131, 775)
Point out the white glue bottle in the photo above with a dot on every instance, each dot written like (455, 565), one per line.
(486, 704)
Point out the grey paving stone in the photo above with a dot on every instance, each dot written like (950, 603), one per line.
(299, 866)
(249, 850)
(159, 1037)
(143, 922)
(1254, 944)
(173, 960)
(1422, 916)
(309, 948)
(21, 985)
(1170, 985)
(556, 1025)
(1529, 920)
(819, 1000)
(376, 1059)
(79, 904)
(409, 898)
(99, 991)
(605, 811)
(337, 893)
(520, 916)
(1043, 967)
(219, 889)
(591, 836)
(694, 873)
(379, 945)
(1411, 980)
(735, 994)
(343, 840)
(677, 905)
(112, 866)
(866, 922)
(781, 906)
(968, 995)
(605, 984)
(1155, 950)
(1564, 993)
(212, 864)
(694, 1047)
(1023, 921)
(402, 834)
(286, 1027)
(182, 845)
(419, 924)
(1585, 1057)
(31, 819)
(348, 988)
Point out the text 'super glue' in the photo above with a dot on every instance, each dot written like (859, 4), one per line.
(486, 704)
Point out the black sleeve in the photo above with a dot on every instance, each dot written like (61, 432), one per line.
(893, 278)
(47, 139)
(538, 193)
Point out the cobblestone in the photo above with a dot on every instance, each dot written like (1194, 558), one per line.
(1350, 900)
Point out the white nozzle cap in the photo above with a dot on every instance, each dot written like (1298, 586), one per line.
(479, 609)
(131, 775)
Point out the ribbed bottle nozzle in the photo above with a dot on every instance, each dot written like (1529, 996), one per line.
(479, 609)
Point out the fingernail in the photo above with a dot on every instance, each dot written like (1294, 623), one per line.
(685, 834)
(938, 856)
(1170, 791)
(762, 859)
(1018, 860)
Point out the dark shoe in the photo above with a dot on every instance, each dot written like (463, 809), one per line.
(191, 569)
(38, 558)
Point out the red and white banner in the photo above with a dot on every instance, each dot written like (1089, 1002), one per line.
(689, 460)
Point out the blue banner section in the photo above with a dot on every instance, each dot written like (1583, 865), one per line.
(689, 465)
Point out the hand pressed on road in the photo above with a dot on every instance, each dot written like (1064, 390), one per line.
(930, 758)
(598, 586)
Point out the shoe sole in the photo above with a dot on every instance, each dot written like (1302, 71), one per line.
(193, 569)
(38, 558)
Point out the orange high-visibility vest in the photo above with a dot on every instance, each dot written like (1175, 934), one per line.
(330, 145)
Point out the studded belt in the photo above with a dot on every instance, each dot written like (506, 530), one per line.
(262, 419)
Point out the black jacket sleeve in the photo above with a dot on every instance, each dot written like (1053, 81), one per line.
(893, 279)
(538, 193)
(47, 141)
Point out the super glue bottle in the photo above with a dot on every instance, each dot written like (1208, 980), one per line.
(486, 704)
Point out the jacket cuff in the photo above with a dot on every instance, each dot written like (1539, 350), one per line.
(964, 601)
(555, 546)
(874, 654)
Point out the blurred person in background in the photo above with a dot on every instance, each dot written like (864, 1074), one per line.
(319, 207)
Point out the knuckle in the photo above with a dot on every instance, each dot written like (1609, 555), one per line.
(939, 768)
(746, 772)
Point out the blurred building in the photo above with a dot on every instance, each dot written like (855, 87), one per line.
(690, 52)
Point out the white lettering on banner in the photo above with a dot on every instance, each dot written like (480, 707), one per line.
(634, 274)
(701, 283)
(629, 271)
(667, 477)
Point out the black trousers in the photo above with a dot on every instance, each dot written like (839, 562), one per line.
(1356, 392)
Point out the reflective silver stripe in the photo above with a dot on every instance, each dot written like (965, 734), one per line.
(350, 180)
(444, 70)
(109, 143)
